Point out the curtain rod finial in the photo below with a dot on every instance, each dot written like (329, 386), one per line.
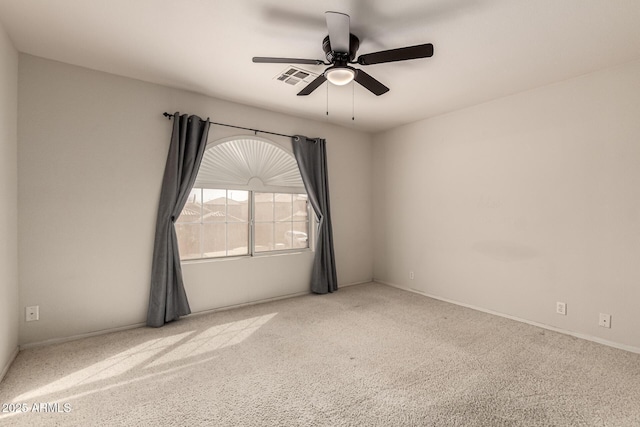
(167, 115)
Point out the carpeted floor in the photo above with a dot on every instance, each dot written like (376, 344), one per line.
(368, 355)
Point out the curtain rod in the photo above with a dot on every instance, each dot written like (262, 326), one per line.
(169, 116)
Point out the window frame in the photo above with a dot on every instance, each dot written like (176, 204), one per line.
(253, 185)
(251, 222)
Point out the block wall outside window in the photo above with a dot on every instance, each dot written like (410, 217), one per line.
(218, 223)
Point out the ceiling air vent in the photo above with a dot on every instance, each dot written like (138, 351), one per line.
(295, 76)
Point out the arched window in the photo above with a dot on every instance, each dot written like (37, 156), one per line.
(248, 199)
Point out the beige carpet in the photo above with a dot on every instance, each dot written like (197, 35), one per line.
(368, 355)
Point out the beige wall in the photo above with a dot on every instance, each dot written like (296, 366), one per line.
(92, 148)
(8, 201)
(515, 204)
(508, 206)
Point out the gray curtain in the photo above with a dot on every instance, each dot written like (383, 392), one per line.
(311, 155)
(168, 299)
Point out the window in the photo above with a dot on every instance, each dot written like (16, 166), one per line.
(214, 223)
(281, 221)
(248, 199)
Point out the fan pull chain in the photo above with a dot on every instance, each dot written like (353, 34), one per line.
(327, 102)
(353, 101)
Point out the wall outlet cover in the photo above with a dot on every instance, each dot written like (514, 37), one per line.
(32, 313)
(605, 320)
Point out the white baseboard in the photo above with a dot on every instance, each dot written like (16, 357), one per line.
(587, 337)
(9, 363)
(139, 325)
(79, 336)
(262, 301)
(247, 304)
(345, 285)
(197, 313)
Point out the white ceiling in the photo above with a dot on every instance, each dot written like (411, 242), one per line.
(484, 49)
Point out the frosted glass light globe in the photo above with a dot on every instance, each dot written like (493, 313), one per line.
(340, 76)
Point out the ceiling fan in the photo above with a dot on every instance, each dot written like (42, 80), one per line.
(340, 47)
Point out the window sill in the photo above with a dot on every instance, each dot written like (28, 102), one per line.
(241, 257)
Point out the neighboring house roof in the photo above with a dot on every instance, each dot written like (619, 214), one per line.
(221, 201)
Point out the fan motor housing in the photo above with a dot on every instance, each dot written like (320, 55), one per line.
(354, 44)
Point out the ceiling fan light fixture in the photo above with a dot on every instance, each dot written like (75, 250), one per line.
(340, 48)
(340, 76)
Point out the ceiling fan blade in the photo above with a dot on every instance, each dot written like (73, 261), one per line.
(268, 60)
(338, 26)
(370, 83)
(313, 85)
(401, 54)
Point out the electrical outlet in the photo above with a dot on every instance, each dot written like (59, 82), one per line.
(561, 308)
(32, 313)
(605, 320)
(411, 275)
